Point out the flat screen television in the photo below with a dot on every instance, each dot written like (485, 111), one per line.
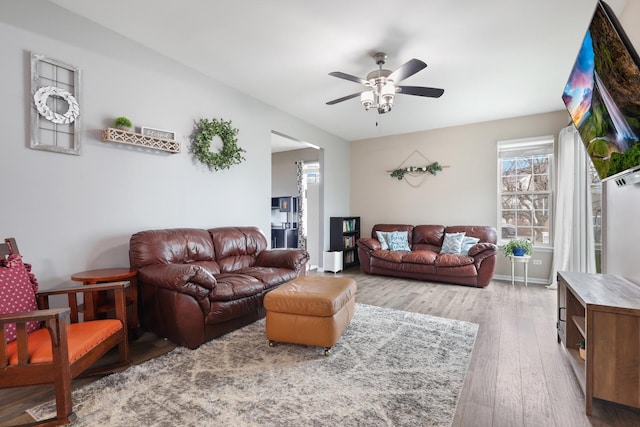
(602, 96)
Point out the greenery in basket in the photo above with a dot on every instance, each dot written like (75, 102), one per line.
(230, 154)
(122, 122)
(522, 243)
(582, 344)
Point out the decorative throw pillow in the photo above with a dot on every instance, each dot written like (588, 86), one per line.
(467, 243)
(382, 238)
(398, 241)
(452, 243)
(18, 289)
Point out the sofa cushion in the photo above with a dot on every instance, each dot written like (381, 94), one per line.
(232, 286)
(389, 256)
(428, 235)
(453, 260)
(237, 247)
(452, 243)
(170, 246)
(420, 257)
(398, 241)
(271, 276)
(17, 292)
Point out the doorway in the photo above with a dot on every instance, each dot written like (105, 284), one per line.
(286, 154)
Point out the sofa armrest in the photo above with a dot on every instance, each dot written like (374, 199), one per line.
(481, 251)
(484, 249)
(293, 259)
(369, 244)
(55, 321)
(36, 315)
(184, 278)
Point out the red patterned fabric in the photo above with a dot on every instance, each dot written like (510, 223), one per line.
(18, 287)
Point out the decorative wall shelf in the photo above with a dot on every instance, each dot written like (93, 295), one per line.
(138, 140)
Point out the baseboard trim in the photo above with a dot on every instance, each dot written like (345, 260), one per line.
(520, 279)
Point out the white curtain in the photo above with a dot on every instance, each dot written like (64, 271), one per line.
(302, 205)
(573, 243)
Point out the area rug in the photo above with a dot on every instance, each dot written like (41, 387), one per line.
(390, 368)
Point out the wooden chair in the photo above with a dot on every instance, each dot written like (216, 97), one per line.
(61, 350)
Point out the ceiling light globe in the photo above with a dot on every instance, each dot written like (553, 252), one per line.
(367, 99)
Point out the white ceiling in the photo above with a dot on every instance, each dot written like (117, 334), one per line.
(494, 58)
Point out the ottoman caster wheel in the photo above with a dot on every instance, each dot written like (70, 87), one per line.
(272, 343)
(327, 351)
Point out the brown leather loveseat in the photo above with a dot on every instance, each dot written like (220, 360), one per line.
(199, 284)
(423, 260)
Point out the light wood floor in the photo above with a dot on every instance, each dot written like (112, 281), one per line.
(518, 374)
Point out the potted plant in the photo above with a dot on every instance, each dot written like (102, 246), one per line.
(518, 247)
(582, 347)
(122, 123)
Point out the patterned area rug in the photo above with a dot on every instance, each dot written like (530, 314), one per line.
(390, 368)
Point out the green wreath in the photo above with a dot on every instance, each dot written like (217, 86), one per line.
(230, 154)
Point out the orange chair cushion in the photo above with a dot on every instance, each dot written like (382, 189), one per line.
(81, 338)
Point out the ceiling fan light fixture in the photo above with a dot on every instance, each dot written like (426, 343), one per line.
(367, 99)
(384, 107)
(387, 93)
(381, 85)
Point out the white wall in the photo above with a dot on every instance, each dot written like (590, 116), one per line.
(465, 193)
(72, 213)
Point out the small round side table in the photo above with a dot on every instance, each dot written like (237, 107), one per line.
(519, 259)
(99, 305)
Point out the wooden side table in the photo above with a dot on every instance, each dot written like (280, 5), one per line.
(95, 304)
(519, 259)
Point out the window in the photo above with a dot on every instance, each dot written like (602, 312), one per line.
(525, 189)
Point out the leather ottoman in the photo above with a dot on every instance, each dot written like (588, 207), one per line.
(310, 310)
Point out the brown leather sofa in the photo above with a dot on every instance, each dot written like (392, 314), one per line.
(425, 262)
(199, 284)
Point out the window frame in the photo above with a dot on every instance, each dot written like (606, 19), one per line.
(522, 147)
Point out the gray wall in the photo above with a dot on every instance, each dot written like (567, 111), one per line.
(72, 213)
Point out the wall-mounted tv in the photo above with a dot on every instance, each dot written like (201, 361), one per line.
(602, 96)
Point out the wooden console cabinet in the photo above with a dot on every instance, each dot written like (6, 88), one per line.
(604, 310)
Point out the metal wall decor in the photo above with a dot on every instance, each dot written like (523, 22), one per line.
(55, 112)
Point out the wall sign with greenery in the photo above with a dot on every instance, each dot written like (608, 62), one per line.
(432, 168)
(230, 154)
(402, 171)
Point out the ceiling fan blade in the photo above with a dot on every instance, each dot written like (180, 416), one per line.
(407, 69)
(348, 77)
(344, 98)
(431, 92)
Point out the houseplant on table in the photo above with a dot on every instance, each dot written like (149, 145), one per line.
(518, 247)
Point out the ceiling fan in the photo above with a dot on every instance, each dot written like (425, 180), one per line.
(382, 84)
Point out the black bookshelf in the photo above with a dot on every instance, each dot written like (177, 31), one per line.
(344, 232)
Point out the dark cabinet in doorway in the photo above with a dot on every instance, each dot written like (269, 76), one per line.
(284, 238)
